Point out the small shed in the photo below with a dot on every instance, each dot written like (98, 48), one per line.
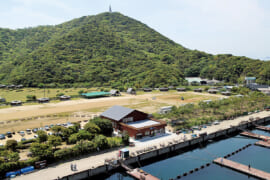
(163, 89)
(181, 89)
(16, 103)
(198, 90)
(43, 100)
(124, 153)
(147, 89)
(2, 99)
(2, 86)
(64, 98)
(226, 93)
(11, 86)
(19, 86)
(96, 94)
(131, 91)
(165, 109)
(212, 91)
(115, 92)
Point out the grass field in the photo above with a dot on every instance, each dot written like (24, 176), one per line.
(20, 94)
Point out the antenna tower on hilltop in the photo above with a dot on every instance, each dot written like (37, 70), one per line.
(110, 9)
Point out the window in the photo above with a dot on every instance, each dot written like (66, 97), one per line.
(147, 133)
(129, 119)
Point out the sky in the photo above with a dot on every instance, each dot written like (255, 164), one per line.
(238, 27)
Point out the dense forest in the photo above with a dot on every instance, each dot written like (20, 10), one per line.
(110, 49)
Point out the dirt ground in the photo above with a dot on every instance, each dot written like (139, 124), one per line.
(13, 119)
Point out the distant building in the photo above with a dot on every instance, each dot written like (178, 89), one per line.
(43, 100)
(2, 99)
(250, 80)
(136, 123)
(64, 98)
(212, 91)
(95, 94)
(163, 89)
(165, 109)
(16, 103)
(131, 91)
(226, 93)
(198, 90)
(147, 89)
(115, 92)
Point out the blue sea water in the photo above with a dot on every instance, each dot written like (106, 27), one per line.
(257, 157)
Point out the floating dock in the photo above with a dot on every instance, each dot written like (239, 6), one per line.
(263, 144)
(256, 136)
(141, 175)
(242, 168)
(263, 128)
(138, 173)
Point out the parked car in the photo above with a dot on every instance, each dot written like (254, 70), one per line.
(35, 136)
(2, 136)
(47, 128)
(9, 134)
(216, 122)
(28, 131)
(23, 139)
(35, 130)
(22, 133)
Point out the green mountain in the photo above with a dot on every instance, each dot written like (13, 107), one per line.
(110, 49)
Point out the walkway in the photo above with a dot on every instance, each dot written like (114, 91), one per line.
(242, 168)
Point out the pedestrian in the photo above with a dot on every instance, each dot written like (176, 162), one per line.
(71, 167)
(221, 160)
(249, 167)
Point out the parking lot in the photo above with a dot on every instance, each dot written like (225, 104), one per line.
(31, 133)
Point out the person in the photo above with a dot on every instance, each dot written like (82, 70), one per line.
(221, 160)
(75, 167)
(71, 167)
(249, 167)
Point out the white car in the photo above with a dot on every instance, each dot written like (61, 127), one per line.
(216, 122)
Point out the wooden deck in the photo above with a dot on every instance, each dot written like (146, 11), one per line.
(263, 128)
(140, 174)
(263, 144)
(256, 136)
(242, 168)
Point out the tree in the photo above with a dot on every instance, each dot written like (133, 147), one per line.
(11, 144)
(54, 141)
(105, 125)
(57, 129)
(42, 136)
(91, 128)
(41, 150)
(101, 142)
(125, 138)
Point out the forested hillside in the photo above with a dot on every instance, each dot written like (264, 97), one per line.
(111, 49)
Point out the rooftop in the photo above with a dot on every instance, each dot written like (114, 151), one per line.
(117, 112)
(95, 94)
(143, 123)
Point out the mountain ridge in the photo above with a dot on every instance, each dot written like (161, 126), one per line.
(109, 49)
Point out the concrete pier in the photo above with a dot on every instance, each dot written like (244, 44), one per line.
(242, 168)
(263, 144)
(256, 136)
(263, 128)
